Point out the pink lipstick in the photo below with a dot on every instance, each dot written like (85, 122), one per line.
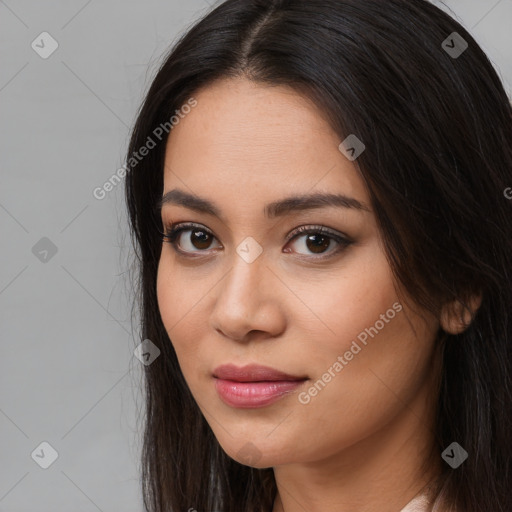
(253, 386)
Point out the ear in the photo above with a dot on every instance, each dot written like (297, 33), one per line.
(456, 318)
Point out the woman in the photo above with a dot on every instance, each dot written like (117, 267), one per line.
(317, 202)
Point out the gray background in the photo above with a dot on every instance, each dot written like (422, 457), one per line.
(68, 375)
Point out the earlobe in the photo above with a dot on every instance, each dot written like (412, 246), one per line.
(456, 318)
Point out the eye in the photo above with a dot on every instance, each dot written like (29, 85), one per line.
(318, 240)
(198, 240)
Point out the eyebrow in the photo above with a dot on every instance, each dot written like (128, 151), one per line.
(279, 208)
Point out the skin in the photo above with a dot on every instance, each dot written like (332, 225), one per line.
(362, 443)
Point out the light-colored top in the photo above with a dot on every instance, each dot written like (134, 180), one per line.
(418, 504)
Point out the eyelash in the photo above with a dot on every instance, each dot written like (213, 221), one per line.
(172, 231)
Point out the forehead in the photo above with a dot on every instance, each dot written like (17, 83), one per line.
(253, 140)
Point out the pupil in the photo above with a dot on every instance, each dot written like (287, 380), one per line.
(324, 243)
(201, 242)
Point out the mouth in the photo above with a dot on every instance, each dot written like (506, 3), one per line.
(253, 385)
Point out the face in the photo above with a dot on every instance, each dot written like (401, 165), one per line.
(242, 286)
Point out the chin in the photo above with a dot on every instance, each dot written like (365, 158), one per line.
(258, 455)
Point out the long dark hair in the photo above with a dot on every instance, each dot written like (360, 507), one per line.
(437, 127)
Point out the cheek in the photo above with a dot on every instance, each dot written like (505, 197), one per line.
(372, 352)
(178, 302)
(382, 379)
(349, 302)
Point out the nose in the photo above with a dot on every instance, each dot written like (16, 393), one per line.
(249, 302)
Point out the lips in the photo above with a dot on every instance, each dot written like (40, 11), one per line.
(253, 386)
(253, 373)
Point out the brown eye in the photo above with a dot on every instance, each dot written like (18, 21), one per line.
(317, 240)
(192, 239)
(189, 238)
(317, 243)
(199, 239)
